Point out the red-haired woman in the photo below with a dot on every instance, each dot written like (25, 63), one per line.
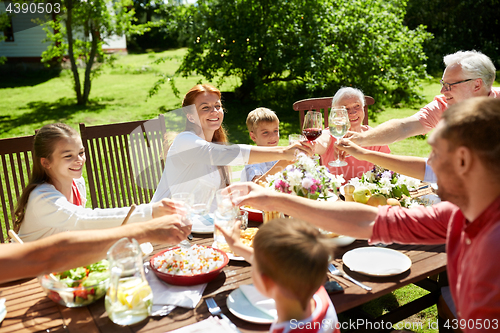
(201, 153)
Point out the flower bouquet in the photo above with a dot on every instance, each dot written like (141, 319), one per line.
(306, 179)
(382, 182)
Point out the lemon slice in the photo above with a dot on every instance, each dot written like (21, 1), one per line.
(132, 293)
(141, 295)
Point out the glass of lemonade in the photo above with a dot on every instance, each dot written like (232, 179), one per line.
(129, 299)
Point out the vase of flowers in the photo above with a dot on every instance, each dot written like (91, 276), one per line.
(306, 179)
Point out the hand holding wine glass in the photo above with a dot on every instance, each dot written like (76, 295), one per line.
(313, 126)
(339, 124)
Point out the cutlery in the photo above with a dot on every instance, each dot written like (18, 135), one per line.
(216, 311)
(335, 271)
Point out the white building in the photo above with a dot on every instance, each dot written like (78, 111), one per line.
(24, 41)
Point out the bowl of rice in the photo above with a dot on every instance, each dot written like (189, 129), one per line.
(188, 266)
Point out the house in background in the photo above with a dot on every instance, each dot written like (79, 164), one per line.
(24, 39)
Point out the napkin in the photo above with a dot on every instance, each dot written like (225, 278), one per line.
(209, 325)
(261, 302)
(202, 223)
(167, 294)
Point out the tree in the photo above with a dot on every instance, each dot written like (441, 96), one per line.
(317, 45)
(80, 32)
(4, 23)
(457, 25)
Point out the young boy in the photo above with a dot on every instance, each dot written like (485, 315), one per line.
(289, 262)
(263, 126)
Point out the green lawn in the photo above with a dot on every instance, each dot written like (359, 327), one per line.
(34, 99)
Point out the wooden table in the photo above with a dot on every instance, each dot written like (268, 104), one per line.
(29, 310)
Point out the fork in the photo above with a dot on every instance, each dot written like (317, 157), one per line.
(216, 311)
(335, 271)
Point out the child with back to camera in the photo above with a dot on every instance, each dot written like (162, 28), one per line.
(289, 262)
(263, 127)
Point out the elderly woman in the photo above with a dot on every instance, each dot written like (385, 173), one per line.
(354, 101)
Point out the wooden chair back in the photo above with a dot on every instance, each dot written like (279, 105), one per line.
(324, 103)
(124, 161)
(15, 170)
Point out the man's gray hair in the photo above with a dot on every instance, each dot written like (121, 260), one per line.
(474, 65)
(346, 92)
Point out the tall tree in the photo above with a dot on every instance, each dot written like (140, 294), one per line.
(318, 45)
(457, 25)
(80, 34)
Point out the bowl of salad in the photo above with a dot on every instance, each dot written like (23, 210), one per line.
(79, 286)
(188, 266)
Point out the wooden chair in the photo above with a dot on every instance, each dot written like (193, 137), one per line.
(124, 161)
(15, 169)
(324, 103)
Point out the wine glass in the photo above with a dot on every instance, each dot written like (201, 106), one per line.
(313, 126)
(339, 124)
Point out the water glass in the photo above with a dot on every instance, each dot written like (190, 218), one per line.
(225, 201)
(226, 221)
(292, 138)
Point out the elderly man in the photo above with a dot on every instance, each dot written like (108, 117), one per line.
(466, 159)
(467, 74)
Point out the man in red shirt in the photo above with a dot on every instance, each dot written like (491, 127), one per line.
(467, 74)
(466, 159)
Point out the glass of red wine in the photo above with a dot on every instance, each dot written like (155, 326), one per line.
(313, 126)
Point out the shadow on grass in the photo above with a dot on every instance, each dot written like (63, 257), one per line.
(44, 112)
(18, 77)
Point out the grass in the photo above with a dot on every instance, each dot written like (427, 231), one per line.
(32, 99)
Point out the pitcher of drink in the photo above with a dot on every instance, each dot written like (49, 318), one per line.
(129, 299)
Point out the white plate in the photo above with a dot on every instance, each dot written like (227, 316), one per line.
(229, 255)
(241, 307)
(203, 224)
(3, 311)
(376, 261)
(342, 240)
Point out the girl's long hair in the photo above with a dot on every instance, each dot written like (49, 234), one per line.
(44, 144)
(220, 135)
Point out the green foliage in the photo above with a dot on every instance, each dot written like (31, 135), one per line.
(309, 46)
(457, 25)
(80, 34)
(4, 23)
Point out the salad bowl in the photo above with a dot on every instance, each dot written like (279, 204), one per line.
(77, 287)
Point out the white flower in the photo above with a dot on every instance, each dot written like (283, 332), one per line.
(295, 177)
(338, 180)
(307, 183)
(369, 176)
(411, 183)
(385, 190)
(385, 182)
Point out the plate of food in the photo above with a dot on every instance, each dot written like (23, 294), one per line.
(338, 240)
(188, 266)
(246, 236)
(376, 261)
